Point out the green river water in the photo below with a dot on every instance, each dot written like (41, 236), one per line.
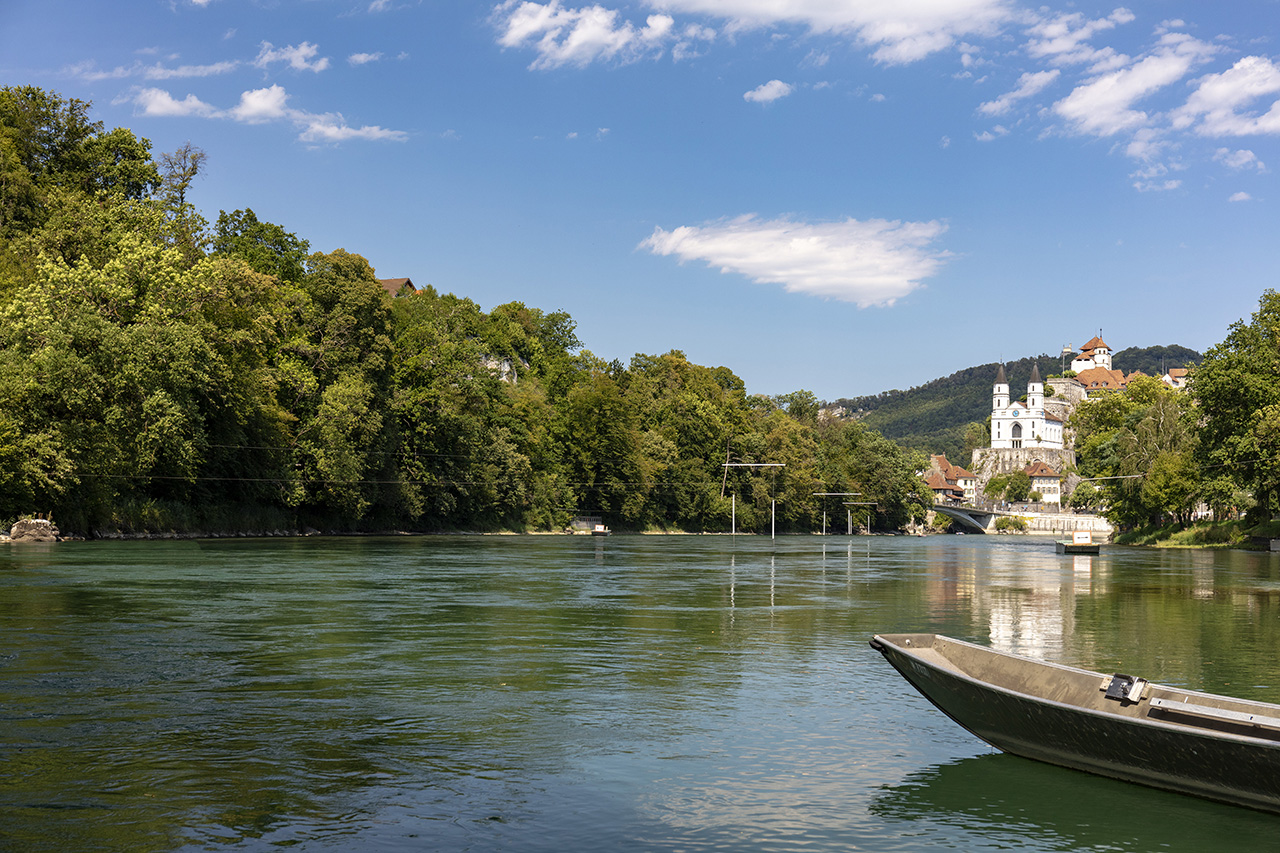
(646, 693)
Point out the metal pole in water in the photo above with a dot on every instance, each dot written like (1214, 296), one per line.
(773, 506)
(733, 528)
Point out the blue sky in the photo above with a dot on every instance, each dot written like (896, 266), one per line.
(839, 196)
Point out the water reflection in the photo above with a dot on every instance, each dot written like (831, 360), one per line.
(1002, 801)
(565, 693)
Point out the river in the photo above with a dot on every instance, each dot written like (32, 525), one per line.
(549, 693)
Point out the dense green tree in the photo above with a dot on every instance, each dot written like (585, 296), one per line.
(338, 383)
(1237, 392)
(47, 141)
(1139, 443)
(1018, 487)
(264, 246)
(139, 372)
(1084, 496)
(117, 162)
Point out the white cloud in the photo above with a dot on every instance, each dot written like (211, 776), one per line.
(89, 71)
(1146, 144)
(873, 262)
(157, 102)
(564, 36)
(1062, 40)
(1104, 105)
(159, 72)
(1029, 84)
(1218, 99)
(688, 43)
(768, 92)
(363, 58)
(331, 127)
(1242, 159)
(300, 57)
(259, 106)
(1153, 179)
(1240, 196)
(815, 59)
(994, 133)
(898, 31)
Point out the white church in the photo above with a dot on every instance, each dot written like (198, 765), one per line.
(1016, 424)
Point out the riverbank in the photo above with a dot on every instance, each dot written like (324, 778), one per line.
(1205, 534)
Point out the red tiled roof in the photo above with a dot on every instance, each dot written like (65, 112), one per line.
(1040, 469)
(1093, 344)
(1101, 377)
(937, 482)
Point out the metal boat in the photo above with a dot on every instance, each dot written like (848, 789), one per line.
(1120, 726)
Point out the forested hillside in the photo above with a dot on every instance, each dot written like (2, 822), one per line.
(934, 417)
(158, 372)
(1155, 361)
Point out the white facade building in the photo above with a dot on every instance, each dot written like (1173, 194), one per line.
(1095, 353)
(1016, 424)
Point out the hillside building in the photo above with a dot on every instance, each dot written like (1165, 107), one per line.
(1046, 481)
(1017, 424)
(1093, 354)
(950, 483)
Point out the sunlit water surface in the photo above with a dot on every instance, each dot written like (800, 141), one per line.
(583, 694)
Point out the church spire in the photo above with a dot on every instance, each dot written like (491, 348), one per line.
(1000, 380)
(1035, 373)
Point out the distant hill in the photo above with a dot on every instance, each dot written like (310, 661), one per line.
(932, 417)
(1155, 361)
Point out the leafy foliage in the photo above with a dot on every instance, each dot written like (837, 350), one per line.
(1239, 401)
(152, 367)
(1137, 446)
(1155, 361)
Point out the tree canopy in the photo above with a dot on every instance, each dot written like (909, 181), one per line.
(156, 370)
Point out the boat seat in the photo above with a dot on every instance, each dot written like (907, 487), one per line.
(1207, 712)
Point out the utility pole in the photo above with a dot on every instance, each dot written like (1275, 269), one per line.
(824, 505)
(772, 504)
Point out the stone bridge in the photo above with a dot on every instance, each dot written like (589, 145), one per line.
(975, 520)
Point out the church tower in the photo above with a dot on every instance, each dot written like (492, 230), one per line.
(1022, 424)
(1035, 389)
(1000, 391)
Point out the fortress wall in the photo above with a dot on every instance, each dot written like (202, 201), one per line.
(989, 461)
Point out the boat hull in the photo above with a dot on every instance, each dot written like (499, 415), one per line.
(1059, 715)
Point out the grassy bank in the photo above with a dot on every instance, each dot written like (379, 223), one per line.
(1207, 534)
